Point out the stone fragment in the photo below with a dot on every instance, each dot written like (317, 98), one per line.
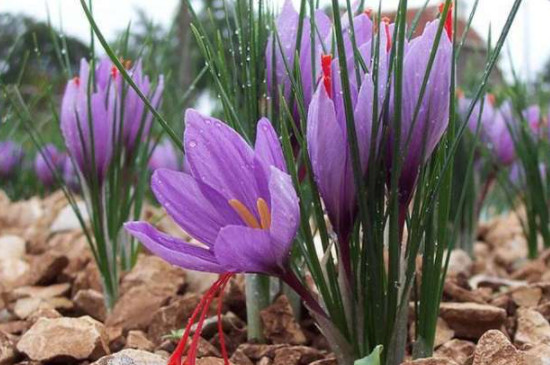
(137, 340)
(527, 296)
(8, 353)
(92, 303)
(459, 294)
(532, 327)
(240, 358)
(25, 307)
(443, 333)
(460, 263)
(172, 316)
(43, 313)
(64, 339)
(494, 348)
(131, 357)
(471, 320)
(540, 353)
(430, 361)
(44, 292)
(280, 326)
(296, 355)
(67, 220)
(13, 272)
(152, 271)
(12, 247)
(46, 267)
(456, 350)
(257, 351)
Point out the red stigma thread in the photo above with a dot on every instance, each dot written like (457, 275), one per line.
(326, 61)
(448, 19)
(77, 81)
(386, 22)
(217, 288)
(114, 72)
(459, 93)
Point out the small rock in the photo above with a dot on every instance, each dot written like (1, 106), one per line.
(43, 313)
(12, 247)
(131, 357)
(240, 358)
(257, 351)
(136, 308)
(494, 348)
(89, 278)
(456, 350)
(43, 292)
(117, 341)
(296, 355)
(430, 361)
(92, 303)
(137, 340)
(460, 263)
(459, 294)
(443, 333)
(329, 361)
(532, 327)
(14, 327)
(541, 353)
(280, 325)
(7, 350)
(527, 296)
(172, 316)
(13, 272)
(46, 267)
(265, 361)
(152, 271)
(211, 361)
(24, 307)
(64, 338)
(67, 220)
(471, 320)
(531, 272)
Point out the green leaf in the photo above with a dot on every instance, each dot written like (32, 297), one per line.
(372, 359)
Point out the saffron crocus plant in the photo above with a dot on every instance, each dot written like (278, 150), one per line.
(164, 156)
(106, 129)
(238, 202)
(47, 161)
(11, 155)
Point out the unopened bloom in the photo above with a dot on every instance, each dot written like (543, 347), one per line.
(91, 148)
(47, 161)
(238, 202)
(70, 174)
(281, 56)
(422, 130)
(164, 156)
(11, 155)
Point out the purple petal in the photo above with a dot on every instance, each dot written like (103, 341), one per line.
(173, 250)
(285, 210)
(268, 147)
(197, 209)
(218, 156)
(245, 249)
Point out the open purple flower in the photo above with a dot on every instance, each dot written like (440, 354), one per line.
(238, 202)
(89, 147)
(164, 156)
(420, 134)
(47, 161)
(276, 55)
(11, 155)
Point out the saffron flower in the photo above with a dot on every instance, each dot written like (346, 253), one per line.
(91, 148)
(238, 202)
(164, 156)
(422, 131)
(47, 161)
(11, 155)
(327, 142)
(279, 57)
(70, 174)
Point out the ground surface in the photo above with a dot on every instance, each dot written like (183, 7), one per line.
(495, 310)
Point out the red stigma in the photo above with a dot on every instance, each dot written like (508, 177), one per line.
(491, 98)
(216, 289)
(114, 72)
(386, 22)
(448, 19)
(326, 61)
(76, 80)
(459, 93)
(368, 12)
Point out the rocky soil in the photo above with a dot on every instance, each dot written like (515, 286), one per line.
(495, 310)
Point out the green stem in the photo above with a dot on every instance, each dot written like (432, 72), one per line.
(257, 298)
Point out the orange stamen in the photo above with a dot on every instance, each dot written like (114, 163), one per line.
(448, 19)
(326, 61)
(244, 213)
(265, 214)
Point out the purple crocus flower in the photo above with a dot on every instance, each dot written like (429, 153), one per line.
(276, 55)
(11, 155)
(533, 117)
(88, 147)
(70, 174)
(164, 156)
(48, 160)
(420, 136)
(238, 202)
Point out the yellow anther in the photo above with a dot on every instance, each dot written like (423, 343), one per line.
(244, 213)
(265, 214)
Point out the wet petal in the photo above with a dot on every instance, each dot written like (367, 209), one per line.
(268, 147)
(172, 249)
(285, 210)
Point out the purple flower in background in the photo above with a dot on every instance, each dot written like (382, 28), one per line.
(11, 155)
(420, 135)
(48, 160)
(328, 148)
(238, 202)
(276, 55)
(70, 174)
(164, 156)
(129, 106)
(533, 117)
(88, 147)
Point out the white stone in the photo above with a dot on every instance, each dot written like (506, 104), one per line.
(12, 247)
(67, 220)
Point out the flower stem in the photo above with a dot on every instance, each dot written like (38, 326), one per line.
(257, 298)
